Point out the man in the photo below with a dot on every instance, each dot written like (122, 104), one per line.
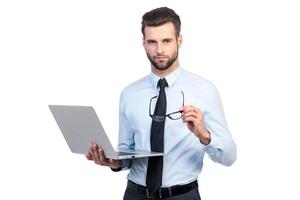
(171, 111)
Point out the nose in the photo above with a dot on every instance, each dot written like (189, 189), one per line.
(159, 49)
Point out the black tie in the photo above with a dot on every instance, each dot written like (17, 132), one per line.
(155, 164)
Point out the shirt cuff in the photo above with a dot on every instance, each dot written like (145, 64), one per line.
(214, 144)
(126, 165)
(116, 170)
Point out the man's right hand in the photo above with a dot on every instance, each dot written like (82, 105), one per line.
(97, 155)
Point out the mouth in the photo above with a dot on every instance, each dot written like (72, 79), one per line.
(160, 58)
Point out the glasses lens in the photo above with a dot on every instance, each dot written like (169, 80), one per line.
(176, 115)
(158, 118)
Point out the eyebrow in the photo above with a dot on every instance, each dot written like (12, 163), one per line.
(150, 40)
(165, 39)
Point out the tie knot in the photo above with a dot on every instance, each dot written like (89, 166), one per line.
(162, 83)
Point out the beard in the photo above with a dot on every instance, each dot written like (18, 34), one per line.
(163, 65)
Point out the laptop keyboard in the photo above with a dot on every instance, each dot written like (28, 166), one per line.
(120, 153)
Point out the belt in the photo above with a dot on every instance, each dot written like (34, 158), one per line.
(163, 192)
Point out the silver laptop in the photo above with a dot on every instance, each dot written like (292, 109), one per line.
(81, 127)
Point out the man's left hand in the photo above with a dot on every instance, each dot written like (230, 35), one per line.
(194, 118)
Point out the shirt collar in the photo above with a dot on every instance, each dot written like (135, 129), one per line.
(171, 78)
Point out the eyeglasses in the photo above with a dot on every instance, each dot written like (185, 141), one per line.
(173, 115)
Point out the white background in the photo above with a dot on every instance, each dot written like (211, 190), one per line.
(85, 52)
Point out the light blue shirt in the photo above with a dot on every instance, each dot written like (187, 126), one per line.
(183, 152)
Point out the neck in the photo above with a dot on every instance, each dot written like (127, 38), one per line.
(166, 72)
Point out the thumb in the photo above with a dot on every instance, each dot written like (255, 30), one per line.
(112, 161)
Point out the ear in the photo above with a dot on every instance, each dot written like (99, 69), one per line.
(179, 40)
(144, 41)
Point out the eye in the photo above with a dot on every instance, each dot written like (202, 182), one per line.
(167, 41)
(151, 42)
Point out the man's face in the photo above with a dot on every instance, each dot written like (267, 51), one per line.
(161, 45)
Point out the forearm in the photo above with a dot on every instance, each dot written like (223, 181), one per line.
(221, 150)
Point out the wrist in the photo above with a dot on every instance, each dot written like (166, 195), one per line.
(117, 167)
(205, 137)
(117, 164)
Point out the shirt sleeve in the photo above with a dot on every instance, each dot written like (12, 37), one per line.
(126, 136)
(222, 148)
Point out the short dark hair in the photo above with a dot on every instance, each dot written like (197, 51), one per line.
(160, 16)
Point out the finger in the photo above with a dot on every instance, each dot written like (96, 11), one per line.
(91, 151)
(196, 126)
(199, 125)
(96, 154)
(187, 107)
(88, 156)
(103, 159)
(101, 152)
(192, 113)
(192, 120)
(95, 147)
(190, 108)
(97, 157)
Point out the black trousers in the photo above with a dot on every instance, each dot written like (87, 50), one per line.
(191, 195)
